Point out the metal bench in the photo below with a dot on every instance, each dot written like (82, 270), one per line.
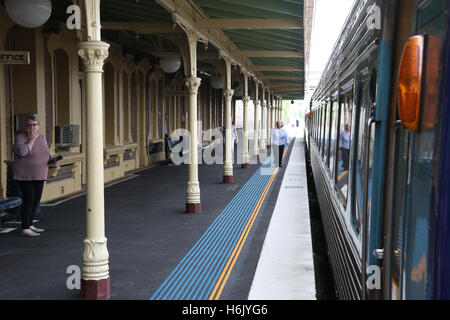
(6, 204)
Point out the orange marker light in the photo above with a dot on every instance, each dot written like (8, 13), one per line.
(410, 83)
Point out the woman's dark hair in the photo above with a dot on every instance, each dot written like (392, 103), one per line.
(32, 117)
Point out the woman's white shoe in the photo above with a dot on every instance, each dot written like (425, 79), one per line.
(29, 233)
(34, 229)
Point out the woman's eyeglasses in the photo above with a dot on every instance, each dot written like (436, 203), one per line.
(32, 124)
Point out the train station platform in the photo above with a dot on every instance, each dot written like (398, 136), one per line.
(157, 251)
(286, 267)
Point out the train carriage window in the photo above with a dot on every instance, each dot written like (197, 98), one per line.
(320, 128)
(319, 113)
(317, 126)
(362, 121)
(316, 116)
(344, 146)
(359, 201)
(321, 121)
(316, 119)
(314, 126)
(364, 157)
(326, 132)
(333, 137)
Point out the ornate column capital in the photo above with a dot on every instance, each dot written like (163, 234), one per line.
(246, 100)
(193, 84)
(94, 54)
(264, 104)
(257, 103)
(228, 94)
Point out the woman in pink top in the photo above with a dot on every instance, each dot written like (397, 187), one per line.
(30, 169)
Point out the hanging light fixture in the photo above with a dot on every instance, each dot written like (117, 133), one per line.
(170, 64)
(29, 13)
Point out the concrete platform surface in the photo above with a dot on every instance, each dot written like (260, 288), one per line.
(286, 268)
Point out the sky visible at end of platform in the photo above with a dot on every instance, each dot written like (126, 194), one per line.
(329, 18)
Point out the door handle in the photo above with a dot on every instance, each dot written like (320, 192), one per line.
(378, 253)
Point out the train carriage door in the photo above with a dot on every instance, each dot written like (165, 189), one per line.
(363, 164)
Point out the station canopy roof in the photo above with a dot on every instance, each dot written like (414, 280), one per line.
(265, 37)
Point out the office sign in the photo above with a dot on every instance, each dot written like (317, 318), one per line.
(14, 57)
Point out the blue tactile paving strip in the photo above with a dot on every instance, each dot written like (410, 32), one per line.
(198, 272)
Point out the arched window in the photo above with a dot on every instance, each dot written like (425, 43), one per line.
(126, 107)
(62, 87)
(154, 108)
(133, 106)
(147, 107)
(109, 104)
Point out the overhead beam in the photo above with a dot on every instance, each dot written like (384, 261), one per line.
(282, 54)
(250, 24)
(291, 88)
(276, 68)
(200, 55)
(268, 53)
(284, 84)
(276, 77)
(143, 27)
(299, 91)
(286, 89)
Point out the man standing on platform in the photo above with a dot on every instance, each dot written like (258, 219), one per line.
(279, 138)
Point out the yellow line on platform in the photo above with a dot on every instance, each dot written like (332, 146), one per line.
(237, 249)
(220, 284)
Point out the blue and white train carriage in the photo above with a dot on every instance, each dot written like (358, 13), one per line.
(386, 210)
